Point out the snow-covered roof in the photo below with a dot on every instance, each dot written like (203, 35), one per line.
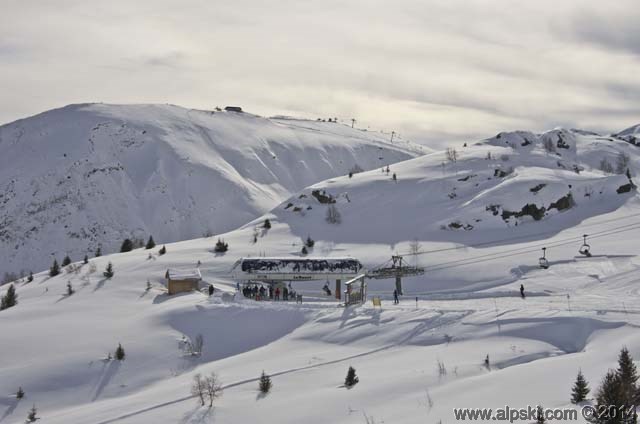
(184, 274)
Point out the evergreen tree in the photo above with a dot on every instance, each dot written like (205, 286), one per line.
(9, 299)
(85, 260)
(55, 269)
(221, 246)
(19, 393)
(609, 394)
(32, 415)
(580, 389)
(310, 242)
(267, 224)
(30, 277)
(265, 383)
(628, 376)
(162, 250)
(540, 415)
(98, 252)
(70, 289)
(66, 261)
(127, 246)
(150, 243)
(109, 271)
(120, 353)
(351, 379)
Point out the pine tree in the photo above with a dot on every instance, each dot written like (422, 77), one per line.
(30, 277)
(265, 383)
(9, 299)
(119, 353)
(85, 260)
(540, 415)
(66, 261)
(267, 224)
(221, 246)
(55, 269)
(98, 252)
(609, 394)
(580, 389)
(32, 415)
(162, 250)
(628, 376)
(150, 243)
(351, 379)
(19, 393)
(127, 246)
(109, 271)
(309, 243)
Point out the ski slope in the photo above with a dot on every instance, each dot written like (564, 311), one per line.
(577, 314)
(90, 175)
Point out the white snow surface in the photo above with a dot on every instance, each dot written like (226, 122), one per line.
(90, 175)
(577, 314)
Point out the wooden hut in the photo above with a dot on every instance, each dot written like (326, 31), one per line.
(179, 281)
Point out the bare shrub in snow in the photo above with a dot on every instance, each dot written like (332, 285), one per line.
(452, 154)
(206, 388)
(622, 163)
(442, 369)
(213, 388)
(605, 166)
(198, 388)
(333, 215)
(193, 347)
(549, 146)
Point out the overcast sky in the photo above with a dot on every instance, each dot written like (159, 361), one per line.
(434, 71)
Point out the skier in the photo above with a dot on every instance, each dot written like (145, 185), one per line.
(210, 289)
(395, 297)
(522, 290)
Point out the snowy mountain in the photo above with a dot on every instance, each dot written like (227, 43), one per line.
(484, 191)
(462, 337)
(631, 134)
(90, 175)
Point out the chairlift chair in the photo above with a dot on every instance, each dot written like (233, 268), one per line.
(543, 262)
(585, 249)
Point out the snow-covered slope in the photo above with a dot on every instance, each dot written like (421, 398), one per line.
(417, 360)
(631, 134)
(84, 176)
(506, 185)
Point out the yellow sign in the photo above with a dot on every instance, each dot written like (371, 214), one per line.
(376, 301)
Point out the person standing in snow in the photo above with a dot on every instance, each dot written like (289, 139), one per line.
(210, 289)
(277, 293)
(522, 290)
(395, 297)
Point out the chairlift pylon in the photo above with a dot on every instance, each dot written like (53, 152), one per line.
(585, 249)
(543, 262)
